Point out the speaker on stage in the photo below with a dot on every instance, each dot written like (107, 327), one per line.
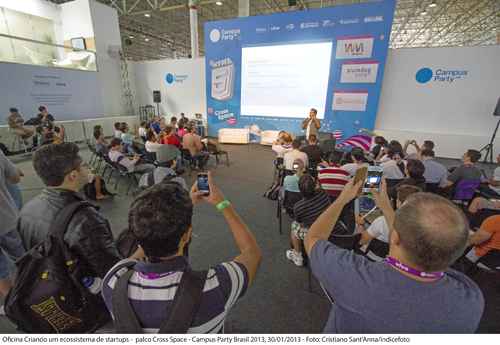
(157, 96)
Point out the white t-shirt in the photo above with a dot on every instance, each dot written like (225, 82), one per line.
(391, 170)
(118, 134)
(351, 168)
(291, 156)
(281, 149)
(496, 177)
(142, 132)
(152, 146)
(125, 161)
(379, 229)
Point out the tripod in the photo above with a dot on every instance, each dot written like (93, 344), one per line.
(489, 147)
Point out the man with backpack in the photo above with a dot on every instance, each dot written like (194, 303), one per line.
(162, 294)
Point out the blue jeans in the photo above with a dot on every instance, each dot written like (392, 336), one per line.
(11, 245)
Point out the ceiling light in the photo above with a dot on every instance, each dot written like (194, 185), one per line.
(146, 39)
(433, 4)
(147, 15)
(423, 13)
(131, 36)
(218, 3)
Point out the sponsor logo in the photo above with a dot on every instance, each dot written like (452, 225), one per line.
(359, 72)
(274, 28)
(309, 25)
(349, 21)
(260, 30)
(440, 75)
(217, 35)
(328, 23)
(350, 100)
(360, 47)
(290, 27)
(374, 19)
(175, 78)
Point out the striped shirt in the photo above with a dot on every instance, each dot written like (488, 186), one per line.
(306, 211)
(152, 288)
(333, 179)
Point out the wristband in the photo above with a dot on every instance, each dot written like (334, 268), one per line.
(222, 205)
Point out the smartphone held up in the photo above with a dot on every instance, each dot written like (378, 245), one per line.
(202, 184)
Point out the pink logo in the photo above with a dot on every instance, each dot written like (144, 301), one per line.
(210, 110)
(231, 121)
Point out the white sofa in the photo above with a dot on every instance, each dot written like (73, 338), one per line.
(268, 137)
(234, 135)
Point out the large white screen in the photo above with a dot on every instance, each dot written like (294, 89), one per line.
(285, 80)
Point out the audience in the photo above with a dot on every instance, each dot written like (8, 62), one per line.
(492, 189)
(143, 131)
(413, 290)
(291, 182)
(331, 176)
(169, 137)
(294, 154)
(313, 151)
(64, 174)
(358, 161)
(173, 123)
(101, 144)
(152, 144)
(468, 170)
(379, 143)
(427, 145)
(10, 242)
(283, 144)
(127, 139)
(161, 220)
(133, 164)
(192, 142)
(16, 124)
(305, 212)
(155, 125)
(485, 239)
(414, 171)
(393, 168)
(44, 118)
(165, 171)
(118, 130)
(435, 172)
(181, 130)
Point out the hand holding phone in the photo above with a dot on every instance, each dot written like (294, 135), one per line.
(202, 184)
(373, 179)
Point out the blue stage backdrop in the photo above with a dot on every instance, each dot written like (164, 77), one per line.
(266, 72)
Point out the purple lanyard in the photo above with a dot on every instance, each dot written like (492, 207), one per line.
(152, 276)
(421, 274)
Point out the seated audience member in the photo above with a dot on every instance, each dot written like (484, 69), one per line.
(192, 142)
(414, 171)
(427, 145)
(294, 154)
(331, 176)
(165, 239)
(133, 164)
(428, 233)
(169, 137)
(312, 151)
(127, 139)
(44, 118)
(155, 125)
(492, 189)
(379, 143)
(283, 144)
(143, 131)
(173, 123)
(479, 203)
(394, 146)
(181, 130)
(152, 144)
(435, 172)
(165, 171)
(101, 144)
(182, 121)
(379, 228)
(305, 212)
(468, 170)
(16, 124)
(291, 182)
(358, 161)
(485, 239)
(10, 242)
(118, 130)
(394, 168)
(64, 174)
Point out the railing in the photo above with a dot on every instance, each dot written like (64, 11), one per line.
(32, 52)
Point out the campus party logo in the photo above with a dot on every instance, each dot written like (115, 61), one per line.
(440, 75)
(217, 35)
(175, 78)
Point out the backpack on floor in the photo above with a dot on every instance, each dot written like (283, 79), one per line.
(48, 295)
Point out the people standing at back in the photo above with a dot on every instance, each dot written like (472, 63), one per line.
(16, 124)
(413, 290)
(294, 154)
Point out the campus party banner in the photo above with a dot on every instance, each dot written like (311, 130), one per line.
(266, 72)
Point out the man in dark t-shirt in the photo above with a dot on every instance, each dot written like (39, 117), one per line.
(313, 151)
(413, 290)
(468, 170)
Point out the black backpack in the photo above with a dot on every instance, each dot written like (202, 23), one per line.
(272, 192)
(48, 296)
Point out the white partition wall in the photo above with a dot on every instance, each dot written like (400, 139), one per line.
(452, 103)
(182, 91)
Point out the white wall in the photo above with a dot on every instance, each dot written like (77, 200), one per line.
(187, 96)
(457, 115)
(76, 19)
(107, 33)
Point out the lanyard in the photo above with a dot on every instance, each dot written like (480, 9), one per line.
(421, 274)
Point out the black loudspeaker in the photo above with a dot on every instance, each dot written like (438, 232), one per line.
(157, 96)
(497, 109)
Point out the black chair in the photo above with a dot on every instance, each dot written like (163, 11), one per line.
(432, 188)
(108, 166)
(490, 261)
(188, 160)
(93, 155)
(286, 203)
(124, 174)
(215, 151)
(377, 250)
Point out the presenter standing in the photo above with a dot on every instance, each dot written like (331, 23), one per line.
(311, 124)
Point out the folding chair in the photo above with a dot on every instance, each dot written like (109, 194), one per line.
(377, 250)
(286, 201)
(215, 151)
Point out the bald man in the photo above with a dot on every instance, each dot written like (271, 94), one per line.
(413, 290)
